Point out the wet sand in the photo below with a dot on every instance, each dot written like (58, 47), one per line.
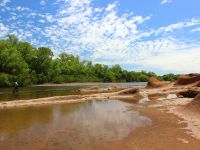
(168, 131)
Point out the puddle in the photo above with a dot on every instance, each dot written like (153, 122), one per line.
(71, 126)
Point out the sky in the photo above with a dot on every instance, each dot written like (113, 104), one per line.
(162, 36)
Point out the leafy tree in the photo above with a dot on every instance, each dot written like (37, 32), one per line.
(170, 77)
(27, 51)
(42, 61)
(12, 39)
(117, 70)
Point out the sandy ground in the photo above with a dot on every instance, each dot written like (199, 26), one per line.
(167, 132)
(178, 106)
(70, 99)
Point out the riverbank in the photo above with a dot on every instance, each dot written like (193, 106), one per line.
(165, 98)
(177, 124)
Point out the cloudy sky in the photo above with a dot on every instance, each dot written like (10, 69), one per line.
(154, 35)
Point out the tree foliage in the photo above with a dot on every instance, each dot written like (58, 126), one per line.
(20, 61)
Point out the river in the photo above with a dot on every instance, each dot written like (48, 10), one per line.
(32, 92)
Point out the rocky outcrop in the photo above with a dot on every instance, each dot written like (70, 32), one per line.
(196, 100)
(155, 83)
(189, 79)
(194, 105)
(197, 84)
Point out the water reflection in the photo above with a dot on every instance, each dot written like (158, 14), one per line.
(74, 126)
(14, 120)
(37, 92)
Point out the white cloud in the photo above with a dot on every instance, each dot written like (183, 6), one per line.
(166, 1)
(179, 25)
(111, 7)
(42, 2)
(42, 21)
(105, 36)
(166, 54)
(196, 30)
(4, 2)
(185, 61)
(111, 38)
(171, 28)
(20, 8)
(3, 30)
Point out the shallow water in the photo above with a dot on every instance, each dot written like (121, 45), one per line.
(48, 91)
(72, 126)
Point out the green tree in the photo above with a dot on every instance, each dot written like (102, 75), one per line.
(22, 62)
(42, 60)
(12, 39)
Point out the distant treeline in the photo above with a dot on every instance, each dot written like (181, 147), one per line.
(20, 61)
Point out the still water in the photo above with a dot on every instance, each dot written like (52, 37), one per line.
(48, 91)
(78, 126)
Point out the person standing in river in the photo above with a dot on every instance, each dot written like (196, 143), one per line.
(16, 87)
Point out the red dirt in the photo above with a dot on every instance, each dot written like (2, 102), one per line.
(155, 83)
(195, 104)
(197, 84)
(189, 79)
(196, 100)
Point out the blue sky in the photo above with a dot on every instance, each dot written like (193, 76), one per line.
(154, 35)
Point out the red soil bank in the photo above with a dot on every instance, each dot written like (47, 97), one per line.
(195, 104)
(155, 83)
(189, 79)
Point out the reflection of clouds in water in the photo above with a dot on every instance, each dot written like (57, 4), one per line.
(75, 126)
(108, 119)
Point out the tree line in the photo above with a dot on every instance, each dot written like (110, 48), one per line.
(20, 61)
